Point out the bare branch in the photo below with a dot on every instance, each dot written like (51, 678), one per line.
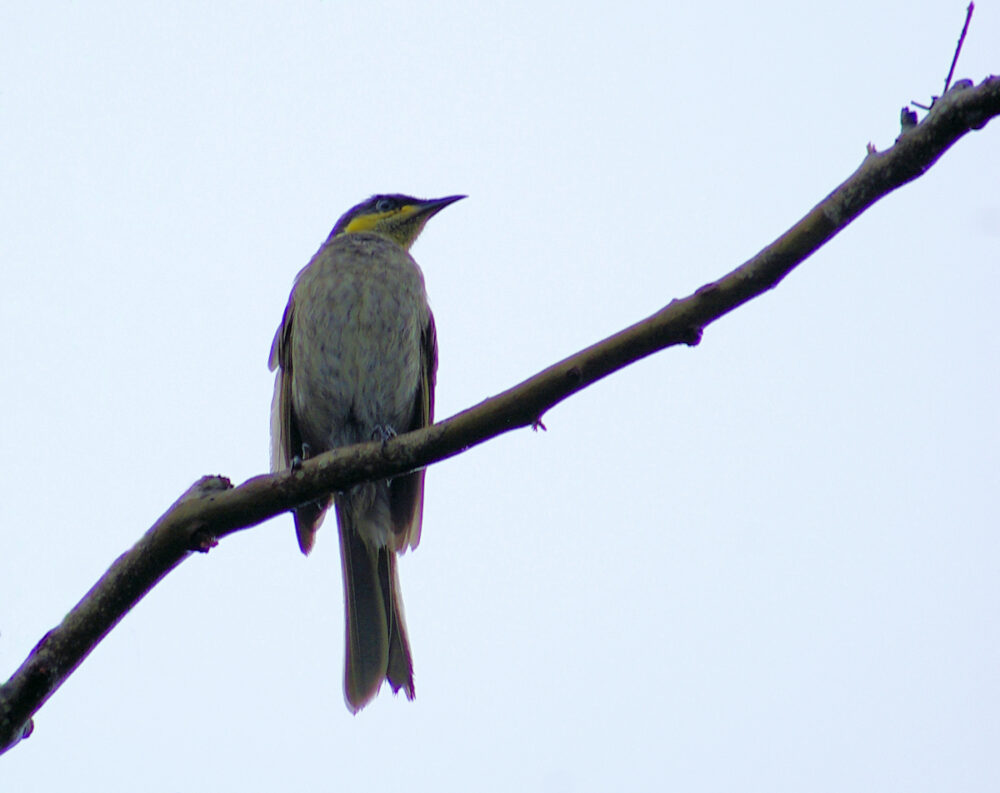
(212, 508)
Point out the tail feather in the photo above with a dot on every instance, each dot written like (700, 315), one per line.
(377, 644)
(400, 668)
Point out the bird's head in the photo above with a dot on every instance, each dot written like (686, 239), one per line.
(401, 218)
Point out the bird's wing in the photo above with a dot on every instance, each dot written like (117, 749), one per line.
(428, 369)
(406, 493)
(285, 439)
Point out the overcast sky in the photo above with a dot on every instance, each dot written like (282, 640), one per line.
(771, 562)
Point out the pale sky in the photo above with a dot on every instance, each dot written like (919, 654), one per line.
(768, 563)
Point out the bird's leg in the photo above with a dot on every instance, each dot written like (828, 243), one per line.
(383, 432)
(297, 460)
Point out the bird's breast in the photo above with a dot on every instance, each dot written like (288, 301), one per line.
(360, 310)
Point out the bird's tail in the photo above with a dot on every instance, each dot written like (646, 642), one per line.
(377, 645)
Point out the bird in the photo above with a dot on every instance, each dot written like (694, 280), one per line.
(355, 358)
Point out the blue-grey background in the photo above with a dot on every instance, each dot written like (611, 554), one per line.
(771, 562)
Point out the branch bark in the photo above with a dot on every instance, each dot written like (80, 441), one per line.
(212, 508)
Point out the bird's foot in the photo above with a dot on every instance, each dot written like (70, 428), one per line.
(297, 460)
(383, 432)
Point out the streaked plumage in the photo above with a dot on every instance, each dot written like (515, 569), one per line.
(356, 354)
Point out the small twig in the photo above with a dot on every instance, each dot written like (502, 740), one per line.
(958, 49)
(954, 62)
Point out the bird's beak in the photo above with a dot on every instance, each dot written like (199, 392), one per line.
(428, 209)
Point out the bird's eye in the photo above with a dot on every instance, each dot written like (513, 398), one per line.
(384, 205)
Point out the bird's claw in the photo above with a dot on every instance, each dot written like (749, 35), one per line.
(383, 432)
(298, 459)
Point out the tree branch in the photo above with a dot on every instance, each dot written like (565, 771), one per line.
(212, 508)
